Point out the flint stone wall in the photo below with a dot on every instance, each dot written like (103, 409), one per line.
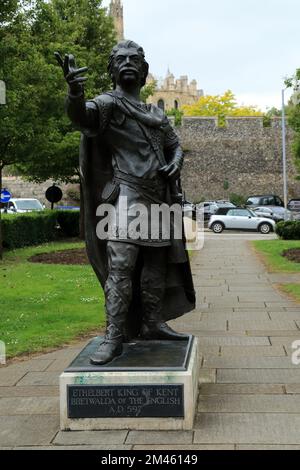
(244, 153)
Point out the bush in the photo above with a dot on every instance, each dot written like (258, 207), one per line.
(69, 222)
(19, 230)
(238, 200)
(288, 230)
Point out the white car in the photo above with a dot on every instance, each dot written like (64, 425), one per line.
(240, 219)
(21, 206)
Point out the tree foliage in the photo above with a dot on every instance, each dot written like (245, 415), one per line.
(148, 90)
(294, 114)
(35, 134)
(220, 106)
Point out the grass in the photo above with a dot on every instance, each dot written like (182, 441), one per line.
(271, 251)
(292, 289)
(45, 306)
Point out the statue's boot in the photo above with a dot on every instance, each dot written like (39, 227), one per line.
(153, 328)
(118, 298)
(156, 330)
(110, 348)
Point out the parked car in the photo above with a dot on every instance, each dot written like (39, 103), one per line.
(240, 219)
(270, 200)
(276, 213)
(294, 205)
(211, 207)
(19, 206)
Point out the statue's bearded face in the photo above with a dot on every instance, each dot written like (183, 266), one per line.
(128, 68)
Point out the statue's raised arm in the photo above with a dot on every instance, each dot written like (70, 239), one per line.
(84, 116)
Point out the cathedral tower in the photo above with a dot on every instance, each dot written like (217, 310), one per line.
(116, 12)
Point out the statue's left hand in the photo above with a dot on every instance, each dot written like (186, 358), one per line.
(71, 72)
(171, 171)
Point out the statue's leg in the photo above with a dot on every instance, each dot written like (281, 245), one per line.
(153, 282)
(122, 259)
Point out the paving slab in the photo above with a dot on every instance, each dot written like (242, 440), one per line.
(190, 448)
(39, 378)
(159, 437)
(259, 376)
(90, 438)
(267, 447)
(28, 430)
(253, 324)
(11, 374)
(292, 388)
(242, 389)
(245, 428)
(234, 341)
(249, 404)
(29, 405)
(32, 391)
(250, 351)
(256, 362)
(207, 376)
(81, 448)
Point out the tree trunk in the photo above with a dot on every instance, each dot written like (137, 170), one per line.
(81, 223)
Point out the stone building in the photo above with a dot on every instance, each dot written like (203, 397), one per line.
(172, 94)
(116, 11)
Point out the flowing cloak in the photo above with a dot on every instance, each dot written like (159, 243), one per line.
(96, 170)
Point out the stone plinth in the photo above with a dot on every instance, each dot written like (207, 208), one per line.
(152, 386)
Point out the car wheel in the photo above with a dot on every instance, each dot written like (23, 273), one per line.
(217, 227)
(265, 228)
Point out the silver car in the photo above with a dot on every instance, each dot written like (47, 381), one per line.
(240, 219)
(272, 213)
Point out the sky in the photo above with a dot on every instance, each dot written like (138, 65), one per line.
(247, 46)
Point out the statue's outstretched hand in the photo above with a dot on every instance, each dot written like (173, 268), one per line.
(71, 72)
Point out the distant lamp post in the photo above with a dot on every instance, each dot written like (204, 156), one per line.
(2, 92)
(285, 182)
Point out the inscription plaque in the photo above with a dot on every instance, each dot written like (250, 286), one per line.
(125, 401)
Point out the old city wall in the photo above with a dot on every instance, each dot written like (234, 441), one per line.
(245, 154)
(18, 187)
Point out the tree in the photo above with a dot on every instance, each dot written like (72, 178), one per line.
(36, 135)
(148, 90)
(82, 28)
(220, 106)
(293, 114)
(17, 61)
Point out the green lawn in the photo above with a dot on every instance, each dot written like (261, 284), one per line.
(271, 251)
(45, 306)
(292, 289)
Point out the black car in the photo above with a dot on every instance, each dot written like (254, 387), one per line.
(264, 200)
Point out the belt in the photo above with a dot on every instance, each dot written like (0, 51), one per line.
(157, 183)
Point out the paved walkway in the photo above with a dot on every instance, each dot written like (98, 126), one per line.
(249, 393)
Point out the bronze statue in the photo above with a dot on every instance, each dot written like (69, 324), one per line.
(129, 150)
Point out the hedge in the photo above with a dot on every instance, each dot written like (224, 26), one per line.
(35, 228)
(288, 230)
(69, 222)
(19, 230)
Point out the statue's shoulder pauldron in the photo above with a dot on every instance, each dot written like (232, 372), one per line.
(105, 105)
